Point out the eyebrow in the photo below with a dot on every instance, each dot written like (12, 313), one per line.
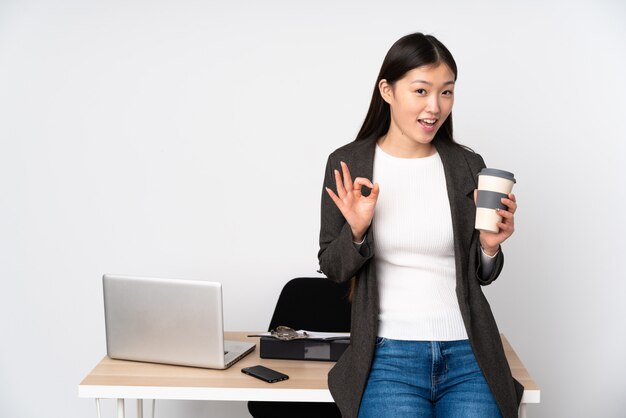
(429, 83)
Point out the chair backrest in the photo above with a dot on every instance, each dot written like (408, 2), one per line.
(314, 304)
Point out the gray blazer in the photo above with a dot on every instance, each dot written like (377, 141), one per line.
(340, 260)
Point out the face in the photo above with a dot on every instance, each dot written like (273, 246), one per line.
(420, 102)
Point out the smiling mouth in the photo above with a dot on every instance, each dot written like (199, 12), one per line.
(429, 123)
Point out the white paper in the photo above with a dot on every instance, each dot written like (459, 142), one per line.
(313, 335)
(327, 335)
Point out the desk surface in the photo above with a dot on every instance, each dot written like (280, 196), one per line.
(307, 379)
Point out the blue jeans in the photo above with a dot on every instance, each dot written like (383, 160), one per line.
(426, 379)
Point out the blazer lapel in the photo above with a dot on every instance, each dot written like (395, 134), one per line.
(461, 183)
(364, 159)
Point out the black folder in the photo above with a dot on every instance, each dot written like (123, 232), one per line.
(303, 349)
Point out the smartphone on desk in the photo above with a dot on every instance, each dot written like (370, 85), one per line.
(265, 374)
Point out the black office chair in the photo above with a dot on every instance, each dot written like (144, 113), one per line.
(315, 304)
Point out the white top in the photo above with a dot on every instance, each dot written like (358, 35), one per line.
(415, 262)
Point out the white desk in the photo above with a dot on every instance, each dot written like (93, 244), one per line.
(307, 382)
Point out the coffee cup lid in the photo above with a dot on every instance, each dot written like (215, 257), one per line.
(497, 173)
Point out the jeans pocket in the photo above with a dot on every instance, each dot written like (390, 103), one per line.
(380, 341)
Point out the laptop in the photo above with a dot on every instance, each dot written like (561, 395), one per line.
(169, 321)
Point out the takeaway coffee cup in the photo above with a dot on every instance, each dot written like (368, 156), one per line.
(493, 185)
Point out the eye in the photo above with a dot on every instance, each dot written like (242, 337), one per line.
(420, 91)
(448, 93)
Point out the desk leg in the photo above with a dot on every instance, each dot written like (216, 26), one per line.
(139, 408)
(98, 407)
(522, 410)
(120, 408)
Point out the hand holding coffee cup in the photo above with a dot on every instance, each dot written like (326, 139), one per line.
(493, 186)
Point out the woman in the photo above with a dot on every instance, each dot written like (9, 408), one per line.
(424, 340)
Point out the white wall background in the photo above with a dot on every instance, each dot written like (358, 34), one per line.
(188, 139)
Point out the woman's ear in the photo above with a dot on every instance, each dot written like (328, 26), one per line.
(386, 91)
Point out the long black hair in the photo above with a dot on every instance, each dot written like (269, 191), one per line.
(408, 53)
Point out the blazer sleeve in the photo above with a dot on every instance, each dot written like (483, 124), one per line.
(475, 260)
(339, 258)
